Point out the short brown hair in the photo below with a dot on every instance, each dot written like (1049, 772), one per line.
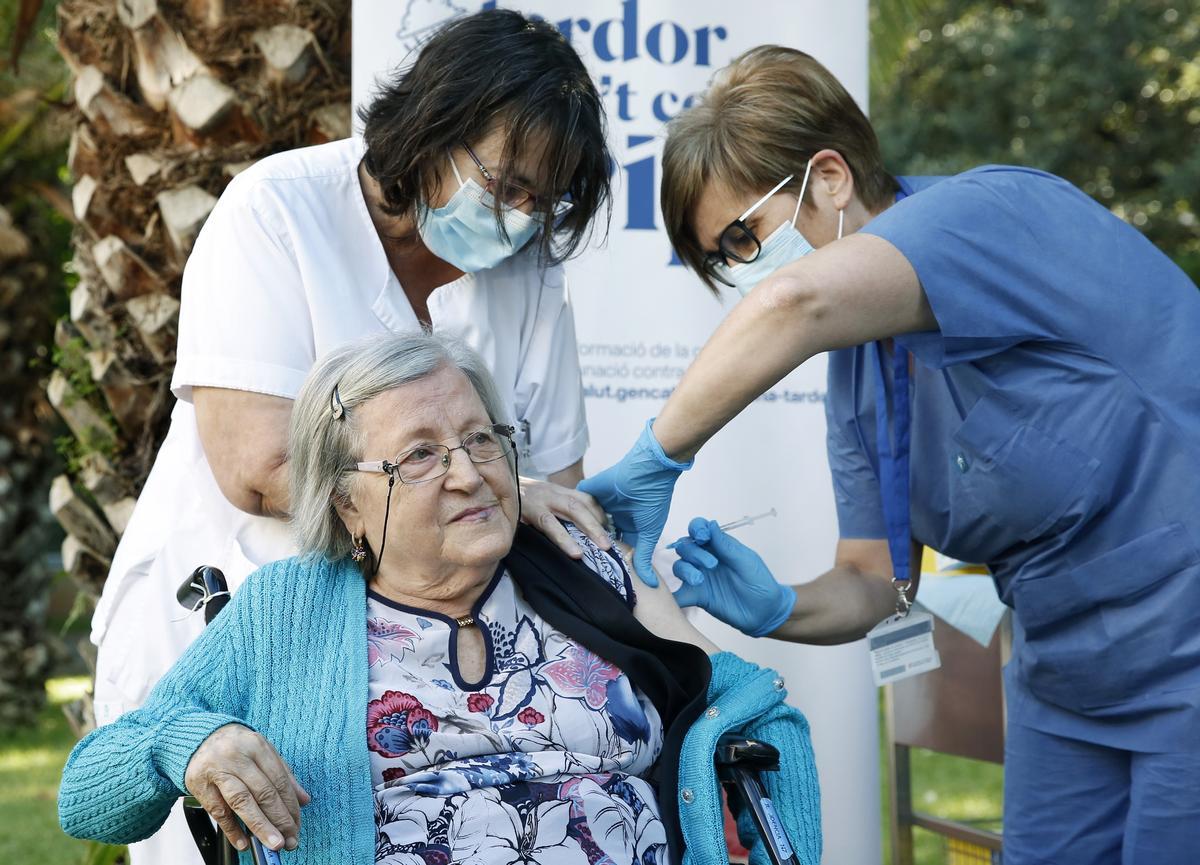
(762, 118)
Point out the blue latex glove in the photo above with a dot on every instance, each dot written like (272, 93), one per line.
(636, 492)
(729, 580)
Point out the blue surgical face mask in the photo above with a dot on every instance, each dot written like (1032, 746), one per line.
(783, 246)
(463, 232)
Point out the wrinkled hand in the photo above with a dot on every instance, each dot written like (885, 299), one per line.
(637, 493)
(237, 773)
(729, 580)
(544, 503)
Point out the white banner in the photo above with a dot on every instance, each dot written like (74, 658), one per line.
(640, 319)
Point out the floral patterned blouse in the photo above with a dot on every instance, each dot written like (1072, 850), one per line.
(540, 761)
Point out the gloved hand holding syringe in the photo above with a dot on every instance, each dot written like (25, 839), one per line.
(722, 575)
(732, 524)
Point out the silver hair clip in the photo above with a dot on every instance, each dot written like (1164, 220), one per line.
(335, 405)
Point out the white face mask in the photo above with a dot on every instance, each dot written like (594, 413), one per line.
(463, 232)
(783, 246)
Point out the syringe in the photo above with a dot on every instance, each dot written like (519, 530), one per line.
(731, 525)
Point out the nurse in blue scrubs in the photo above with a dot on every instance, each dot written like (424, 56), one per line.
(1014, 379)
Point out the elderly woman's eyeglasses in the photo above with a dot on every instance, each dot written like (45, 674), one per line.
(738, 243)
(429, 461)
(515, 196)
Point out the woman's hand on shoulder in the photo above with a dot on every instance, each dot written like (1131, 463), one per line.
(236, 773)
(544, 504)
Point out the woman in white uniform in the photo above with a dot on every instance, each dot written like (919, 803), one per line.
(480, 169)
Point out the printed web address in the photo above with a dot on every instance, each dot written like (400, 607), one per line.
(660, 394)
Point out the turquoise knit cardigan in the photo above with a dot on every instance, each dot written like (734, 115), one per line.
(749, 700)
(288, 658)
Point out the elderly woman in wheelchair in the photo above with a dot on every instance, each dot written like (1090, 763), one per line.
(430, 681)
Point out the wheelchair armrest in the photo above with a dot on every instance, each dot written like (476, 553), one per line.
(738, 762)
(206, 587)
(734, 751)
(214, 847)
(208, 840)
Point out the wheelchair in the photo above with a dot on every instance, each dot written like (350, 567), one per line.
(738, 762)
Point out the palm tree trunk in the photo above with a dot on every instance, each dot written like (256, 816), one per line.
(172, 99)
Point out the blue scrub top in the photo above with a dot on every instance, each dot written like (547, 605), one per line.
(1055, 438)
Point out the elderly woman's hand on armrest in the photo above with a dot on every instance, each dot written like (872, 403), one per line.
(237, 773)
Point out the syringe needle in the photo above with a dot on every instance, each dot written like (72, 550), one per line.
(733, 524)
(746, 521)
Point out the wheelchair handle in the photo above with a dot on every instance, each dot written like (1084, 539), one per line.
(733, 750)
(263, 855)
(214, 847)
(207, 588)
(738, 761)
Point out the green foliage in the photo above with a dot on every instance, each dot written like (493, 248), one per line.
(33, 143)
(1105, 93)
(71, 358)
(104, 854)
(72, 450)
(80, 608)
(891, 23)
(34, 133)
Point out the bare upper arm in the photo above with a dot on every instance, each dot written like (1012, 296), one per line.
(871, 556)
(244, 436)
(856, 290)
(657, 611)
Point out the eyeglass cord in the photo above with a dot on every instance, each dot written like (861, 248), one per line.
(387, 509)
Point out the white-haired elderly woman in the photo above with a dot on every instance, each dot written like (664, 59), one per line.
(431, 681)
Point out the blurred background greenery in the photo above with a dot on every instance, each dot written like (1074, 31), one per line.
(1105, 93)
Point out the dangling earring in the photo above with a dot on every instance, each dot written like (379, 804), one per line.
(358, 552)
(841, 219)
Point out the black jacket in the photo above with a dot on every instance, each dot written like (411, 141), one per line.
(673, 675)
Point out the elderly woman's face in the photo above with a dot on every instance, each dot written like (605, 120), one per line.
(466, 517)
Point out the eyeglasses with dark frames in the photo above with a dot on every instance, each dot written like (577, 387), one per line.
(738, 242)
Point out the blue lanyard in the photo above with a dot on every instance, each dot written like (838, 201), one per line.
(893, 464)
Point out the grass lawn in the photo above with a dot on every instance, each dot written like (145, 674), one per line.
(969, 791)
(31, 762)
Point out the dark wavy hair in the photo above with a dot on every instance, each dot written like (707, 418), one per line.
(494, 67)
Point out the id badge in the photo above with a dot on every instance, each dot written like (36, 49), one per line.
(902, 646)
(524, 440)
